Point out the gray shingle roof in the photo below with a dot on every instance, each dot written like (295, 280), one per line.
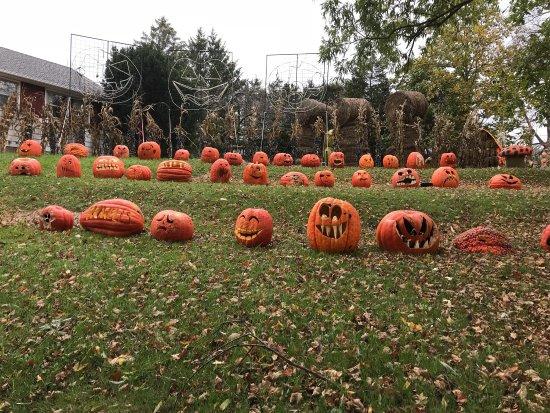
(44, 73)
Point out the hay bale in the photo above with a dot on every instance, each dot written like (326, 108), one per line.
(415, 105)
(347, 109)
(309, 110)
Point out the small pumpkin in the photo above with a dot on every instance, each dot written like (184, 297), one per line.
(448, 159)
(390, 162)
(415, 160)
(149, 150)
(29, 147)
(108, 167)
(233, 158)
(408, 231)
(445, 177)
(25, 166)
(482, 240)
(405, 178)
(260, 157)
(54, 218)
(209, 154)
(333, 226)
(138, 173)
(68, 166)
(255, 174)
(121, 151)
(324, 178)
(254, 227)
(174, 170)
(220, 171)
(113, 217)
(310, 160)
(361, 179)
(182, 155)
(505, 181)
(171, 225)
(336, 160)
(294, 179)
(283, 159)
(76, 149)
(545, 239)
(366, 161)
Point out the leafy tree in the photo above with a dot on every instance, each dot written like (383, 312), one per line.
(163, 36)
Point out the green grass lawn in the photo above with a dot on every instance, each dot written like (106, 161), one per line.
(90, 323)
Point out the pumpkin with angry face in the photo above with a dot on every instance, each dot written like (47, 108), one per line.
(310, 160)
(220, 171)
(545, 239)
(260, 157)
(30, 147)
(182, 155)
(25, 166)
(324, 178)
(148, 150)
(366, 161)
(138, 173)
(445, 177)
(76, 149)
(54, 218)
(283, 159)
(121, 151)
(108, 167)
(408, 231)
(505, 181)
(113, 217)
(254, 227)
(333, 226)
(209, 154)
(233, 158)
(255, 174)
(448, 159)
(171, 225)
(68, 166)
(361, 179)
(390, 162)
(415, 160)
(336, 160)
(405, 178)
(294, 179)
(173, 170)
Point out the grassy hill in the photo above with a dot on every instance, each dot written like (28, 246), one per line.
(90, 323)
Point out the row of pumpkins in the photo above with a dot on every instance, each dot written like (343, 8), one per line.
(333, 225)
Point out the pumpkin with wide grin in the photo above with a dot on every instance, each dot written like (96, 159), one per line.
(108, 167)
(254, 227)
(505, 181)
(408, 231)
(173, 170)
(113, 217)
(336, 160)
(405, 178)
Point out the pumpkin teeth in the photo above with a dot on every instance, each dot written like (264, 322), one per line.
(332, 231)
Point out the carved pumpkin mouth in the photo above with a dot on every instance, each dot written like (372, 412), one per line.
(247, 234)
(107, 214)
(334, 227)
(103, 166)
(408, 180)
(422, 238)
(337, 162)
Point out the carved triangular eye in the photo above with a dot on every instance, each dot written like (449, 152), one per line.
(409, 226)
(424, 226)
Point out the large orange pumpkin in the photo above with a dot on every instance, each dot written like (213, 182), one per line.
(121, 151)
(220, 171)
(361, 179)
(148, 150)
(324, 178)
(448, 159)
(54, 218)
(310, 160)
(294, 179)
(545, 239)
(260, 157)
(25, 166)
(182, 155)
(68, 166)
(173, 170)
(390, 162)
(76, 149)
(138, 173)
(255, 174)
(336, 160)
(113, 217)
(209, 154)
(415, 160)
(505, 181)
(254, 227)
(405, 178)
(445, 177)
(408, 231)
(333, 226)
(30, 147)
(366, 161)
(482, 240)
(233, 158)
(283, 159)
(171, 225)
(108, 167)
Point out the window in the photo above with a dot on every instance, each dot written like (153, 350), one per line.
(6, 89)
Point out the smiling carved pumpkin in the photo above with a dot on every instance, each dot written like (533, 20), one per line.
(30, 147)
(254, 227)
(390, 162)
(405, 178)
(324, 178)
(283, 159)
(182, 155)
(336, 160)
(113, 217)
(545, 239)
(209, 154)
(366, 161)
(68, 166)
(121, 151)
(173, 170)
(415, 160)
(408, 231)
(310, 160)
(233, 158)
(260, 157)
(76, 149)
(361, 179)
(148, 150)
(505, 181)
(445, 177)
(138, 173)
(54, 218)
(255, 174)
(220, 171)
(108, 167)
(448, 159)
(171, 225)
(294, 179)
(25, 166)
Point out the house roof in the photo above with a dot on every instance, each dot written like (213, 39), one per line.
(44, 73)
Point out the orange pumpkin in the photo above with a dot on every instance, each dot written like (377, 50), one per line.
(108, 167)
(283, 159)
(171, 225)
(233, 158)
(254, 227)
(405, 178)
(482, 240)
(505, 181)
(121, 151)
(113, 217)
(333, 226)
(408, 231)
(174, 170)
(138, 173)
(209, 154)
(220, 171)
(390, 162)
(324, 178)
(415, 160)
(545, 239)
(76, 149)
(25, 166)
(448, 159)
(366, 161)
(294, 179)
(182, 155)
(361, 179)
(255, 174)
(68, 166)
(260, 157)
(30, 147)
(336, 160)
(54, 218)
(445, 177)
(149, 150)
(310, 160)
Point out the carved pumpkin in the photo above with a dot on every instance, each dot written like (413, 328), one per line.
(448, 159)
(445, 177)
(25, 166)
(182, 155)
(148, 150)
(108, 167)
(405, 178)
(30, 147)
(361, 179)
(76, 149)
(209, 154)
(483, 240)
(220, 171)
(254, 227)
(68, 166)
(233, 158)
(390, 162)
(121, 151)
(333, 226)
(408, 231)
(545, 239)
(54, 218)
(324, 178)
(255, 174)
(171, 225)
(294, 179)
(336, 160)
(174, 170)
(366, 161)
(415, 160)
(260, 157)
(310, 160)
(138, 173)
(283, 159)
(505, 181)
(113, 217)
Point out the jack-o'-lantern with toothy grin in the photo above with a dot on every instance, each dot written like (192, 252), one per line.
(108, 167)
(408, 231)
(405, 178)
(254, 227)
(173, 170)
